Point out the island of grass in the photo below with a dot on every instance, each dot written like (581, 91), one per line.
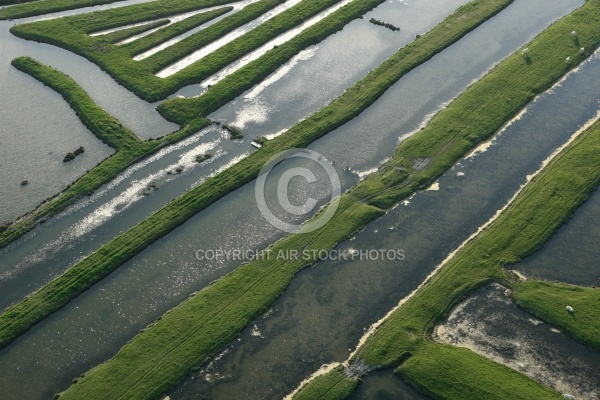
(21, 316)
(199, 327)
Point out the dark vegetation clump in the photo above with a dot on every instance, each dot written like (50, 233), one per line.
(384, 24)
(71, 155)
(233, 131)
(203, 157)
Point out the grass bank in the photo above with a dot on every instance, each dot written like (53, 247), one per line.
(112, 17)
(548, 301)
(22, 316)
(130, 148)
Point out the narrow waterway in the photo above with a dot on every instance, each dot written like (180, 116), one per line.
(491, 325)
(95, 325)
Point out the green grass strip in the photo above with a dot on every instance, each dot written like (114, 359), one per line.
(31, 8)
(548, 301)
(333, 385)
(448, 372)
(156, 38)
(123, 34)
(114, 17)
(22, 316)
(99, 122)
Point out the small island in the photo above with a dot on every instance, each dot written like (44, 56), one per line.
(71, 155)
(384, 24)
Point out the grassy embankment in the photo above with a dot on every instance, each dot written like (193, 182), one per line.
(548, 301)
(123, 34)
(31, 8)
(71, 33)
(22, 316)
(136, 12)
(130, 148)
(200, 326)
